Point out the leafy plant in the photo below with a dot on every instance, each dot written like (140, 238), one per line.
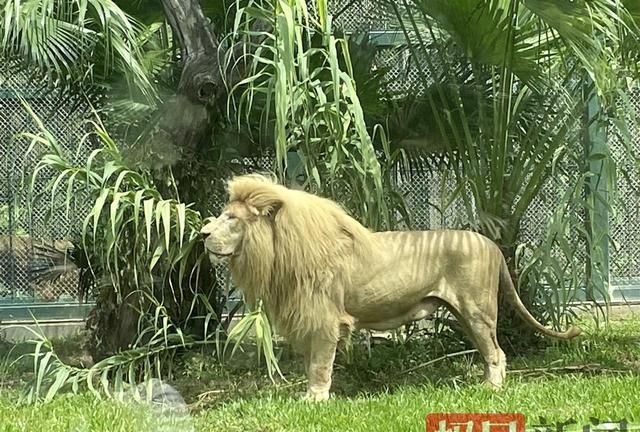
(505, 86)
(301, 80)
(9, 214)
(71, 42)
(155, 283)
(501, 94)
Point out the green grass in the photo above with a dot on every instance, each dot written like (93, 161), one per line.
(594, 377)
(556, 398)
(74, 413)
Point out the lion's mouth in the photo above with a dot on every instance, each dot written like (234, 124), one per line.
(220, 254)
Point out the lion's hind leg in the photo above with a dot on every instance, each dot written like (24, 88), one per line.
(480, 327)
(482, 332)
(495, 367)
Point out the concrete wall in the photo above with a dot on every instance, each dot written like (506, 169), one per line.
(19, 331)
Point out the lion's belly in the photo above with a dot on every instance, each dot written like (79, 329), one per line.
(388, 292)
(392, 318)
(411, 273)
(390, 295)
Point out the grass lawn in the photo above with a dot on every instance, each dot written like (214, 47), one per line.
(592, 378)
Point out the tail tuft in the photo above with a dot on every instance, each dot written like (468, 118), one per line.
(572, 332)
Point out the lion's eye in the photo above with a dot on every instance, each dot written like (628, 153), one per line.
(231, 216)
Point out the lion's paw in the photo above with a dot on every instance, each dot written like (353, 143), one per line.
(315, 396)
(492, 385)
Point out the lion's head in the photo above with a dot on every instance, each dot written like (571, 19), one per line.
(224, 234)
(253, 200)
(292, 249)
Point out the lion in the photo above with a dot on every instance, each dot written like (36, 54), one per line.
(321, 274)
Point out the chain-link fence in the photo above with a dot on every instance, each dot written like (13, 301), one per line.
(426, 189)
(427, 192)
(47, 223)
(624, 222)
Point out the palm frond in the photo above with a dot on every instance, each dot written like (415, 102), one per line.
(591, 32)
(66, 39)
(505, 86)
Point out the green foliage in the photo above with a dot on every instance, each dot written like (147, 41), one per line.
(9, 214)
(264, 340)
(301, 80)
(130, 226)
(144, 252)
(85, 413)
(601, 368)
(506, 86)
(71, 42)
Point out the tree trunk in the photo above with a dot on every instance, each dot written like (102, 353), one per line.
(112, 326)
(188, 118)
(185, 127)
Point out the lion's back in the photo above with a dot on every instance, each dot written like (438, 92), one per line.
(435, 248)
(445, 239)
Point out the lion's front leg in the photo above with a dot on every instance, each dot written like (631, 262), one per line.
(318, 361)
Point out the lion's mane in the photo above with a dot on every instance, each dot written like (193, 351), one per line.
(297, 256)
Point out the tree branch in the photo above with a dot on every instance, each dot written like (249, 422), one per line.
(190, 26)
(188, 119)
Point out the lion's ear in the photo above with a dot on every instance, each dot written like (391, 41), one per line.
(272, 209)
(253, 210)
(265, 209)
(267, 198)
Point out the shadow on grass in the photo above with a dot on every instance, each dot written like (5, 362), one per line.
(390, 366)
(384, 367)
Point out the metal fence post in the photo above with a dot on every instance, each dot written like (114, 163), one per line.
(596, 194)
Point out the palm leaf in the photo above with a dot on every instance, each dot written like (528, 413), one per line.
(65, 38)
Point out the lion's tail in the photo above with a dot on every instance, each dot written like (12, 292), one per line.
(506, 285)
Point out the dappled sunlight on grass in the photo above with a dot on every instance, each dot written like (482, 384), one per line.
(591, 377)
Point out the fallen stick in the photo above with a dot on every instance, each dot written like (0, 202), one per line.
(568, 368)
(436, 360)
